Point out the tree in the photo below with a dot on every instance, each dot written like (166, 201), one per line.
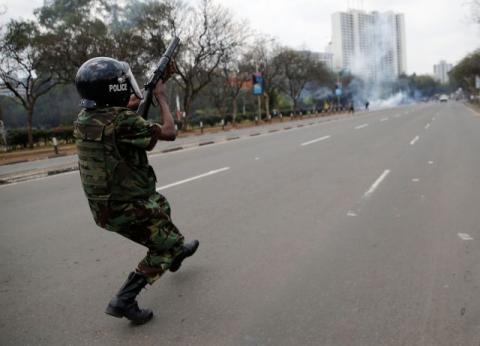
(465, 71)
(23, 69)
(261, 58)
(299, 68)
(228, 81)
(77, 31)
(208, 34)
(238, 79)
(425, 84)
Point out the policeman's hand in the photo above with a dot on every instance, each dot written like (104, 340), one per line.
(133, 102)
(171, 70)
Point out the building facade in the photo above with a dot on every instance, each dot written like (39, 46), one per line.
(324, 57)
(440, 71)
(371, 45)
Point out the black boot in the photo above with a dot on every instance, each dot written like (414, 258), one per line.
(188, 250)
(124, 303)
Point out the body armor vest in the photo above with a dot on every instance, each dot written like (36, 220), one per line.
(105, 173)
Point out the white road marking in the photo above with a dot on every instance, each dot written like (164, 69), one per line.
(351, 213)
(384, 119)
(430, 162)
(315, 140)
(376, 183)
(257, 158)
(193, 178)
(465, 236)
(427, 126)
(360, 126)
(413, 141)
(415, 180)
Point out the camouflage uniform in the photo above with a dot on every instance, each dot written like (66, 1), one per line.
(120, 184)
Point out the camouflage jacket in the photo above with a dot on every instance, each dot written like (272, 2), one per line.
(111, 144)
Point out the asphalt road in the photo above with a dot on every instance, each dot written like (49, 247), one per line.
(358, 231)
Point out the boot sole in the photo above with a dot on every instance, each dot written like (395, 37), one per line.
(114, 312)
(118, 314)
(137, 323)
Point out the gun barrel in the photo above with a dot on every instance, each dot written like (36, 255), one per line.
(159, 72)
(163, 63)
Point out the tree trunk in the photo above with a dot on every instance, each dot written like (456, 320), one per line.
(29, 127)
(295, 105)
(187, 107)
(234, 109)
(224, 110)
(267, 105)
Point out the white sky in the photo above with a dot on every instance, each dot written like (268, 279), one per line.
(435, 29)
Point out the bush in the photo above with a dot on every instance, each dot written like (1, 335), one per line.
(208, 120)
(19, 137)
(42, 134)
(64, 133)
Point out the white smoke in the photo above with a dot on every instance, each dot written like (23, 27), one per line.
(322, 92)
(400, 98)
(375, 60)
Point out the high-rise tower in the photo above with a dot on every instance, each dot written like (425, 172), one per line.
(371, 45)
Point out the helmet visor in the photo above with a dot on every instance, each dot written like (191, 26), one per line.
(132, 81)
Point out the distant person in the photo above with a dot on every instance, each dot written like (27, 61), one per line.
(326, 106)
(366, 105)
(351, 108)
(112, 141)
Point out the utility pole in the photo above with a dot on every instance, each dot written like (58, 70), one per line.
(259, 98)
(258, 91)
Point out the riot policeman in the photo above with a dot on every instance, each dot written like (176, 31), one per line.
(117, 179)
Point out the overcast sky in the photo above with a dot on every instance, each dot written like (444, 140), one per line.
(435, 29)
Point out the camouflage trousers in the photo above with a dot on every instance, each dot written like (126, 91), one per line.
(145, 222)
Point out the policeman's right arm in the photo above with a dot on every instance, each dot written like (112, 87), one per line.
(165, 131)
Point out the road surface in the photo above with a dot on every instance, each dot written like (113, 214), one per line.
(359, 231)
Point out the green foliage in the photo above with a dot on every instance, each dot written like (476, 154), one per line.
(297, 70)
(418, 86)
(18, 137)
(59, 107)
(463, 74)
(425, 84)
(283, 102)
(64, 133)
(208, 120)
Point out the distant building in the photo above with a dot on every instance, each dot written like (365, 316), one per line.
(440, 71)
(326, 58)
(371, 45)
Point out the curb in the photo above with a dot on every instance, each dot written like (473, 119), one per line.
(171, 149)
(35, 174)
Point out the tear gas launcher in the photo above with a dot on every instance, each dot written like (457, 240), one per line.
(157, 75)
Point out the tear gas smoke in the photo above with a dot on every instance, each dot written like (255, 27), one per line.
(374, 66)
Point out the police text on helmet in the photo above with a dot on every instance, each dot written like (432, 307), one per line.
(118, 87)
